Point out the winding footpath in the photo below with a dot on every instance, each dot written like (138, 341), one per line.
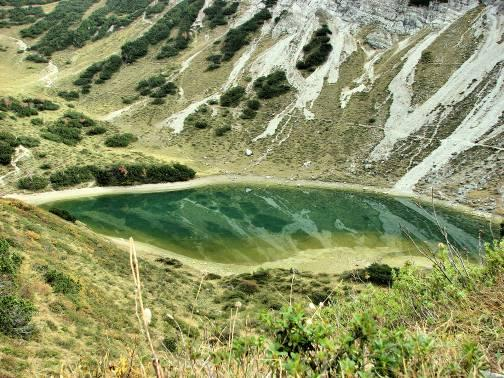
(20, 154)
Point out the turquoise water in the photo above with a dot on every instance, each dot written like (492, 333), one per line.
(237, 224)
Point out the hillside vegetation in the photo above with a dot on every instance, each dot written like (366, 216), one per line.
(394, 94)
(67, 303)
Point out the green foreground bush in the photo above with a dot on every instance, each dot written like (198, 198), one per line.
(386, 332)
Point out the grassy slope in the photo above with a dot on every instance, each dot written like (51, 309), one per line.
(99, 326)
(101, 320)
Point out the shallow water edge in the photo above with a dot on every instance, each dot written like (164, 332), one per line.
(68, 194)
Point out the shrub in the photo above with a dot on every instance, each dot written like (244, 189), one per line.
(27, 141)
(248, 113)
(217, 13)
(8, 138)
(9, 261)
(427, 57)
(164, 90)
(381, 274)
(109, 67)
(72, 176)
(220, 131)
(6, 151)
(292, 333)
(120, 140)
(151, 82)
(254, 104)
(37, 121)
(273, 85)
(158, 101)
(37, 58)
(423, 3)
(317, 51)
(33, 183)
(66, 129)
(63, 214)
(248, 287)
(232, 97)
(40, 104)
(201, 124)
(61, 283)
(97, 130)
(61, 134)
(69, 95)
(170, 262)
(15, 317)
(170, 343)
(240, 36)
(132, 174)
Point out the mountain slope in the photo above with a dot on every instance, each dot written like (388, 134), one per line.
(404, 96)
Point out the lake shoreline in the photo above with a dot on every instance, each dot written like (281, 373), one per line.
(204, 181)
(312, 260)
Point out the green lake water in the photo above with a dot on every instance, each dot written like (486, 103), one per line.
(253, 225)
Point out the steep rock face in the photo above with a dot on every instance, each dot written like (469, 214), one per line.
(421, 128)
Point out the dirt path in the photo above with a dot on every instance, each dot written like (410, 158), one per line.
(20, 154)
(21, 45)
(50, 74)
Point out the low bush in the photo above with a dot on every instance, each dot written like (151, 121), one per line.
(273, 85)
(248, 113)
(201, 124)
(158, 101)
(67, 129)
(217, 14)
(248, 287)
(97, 130)
(240, 36)
(170, 343)
(381, 274)
(6, 151)
(73, 176)
(120, 140)
(232, 97)
(10, 262)
(27, 141)
(63, 214)
(317, 51)
(69, 95)
(33, 183)
(132, 174)
(220, 131)
(62, 283)
(427, 57)
(61, 134)
(37, 58)
(254, 104)
(15, 317)
(37, 121)
(41, 104)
